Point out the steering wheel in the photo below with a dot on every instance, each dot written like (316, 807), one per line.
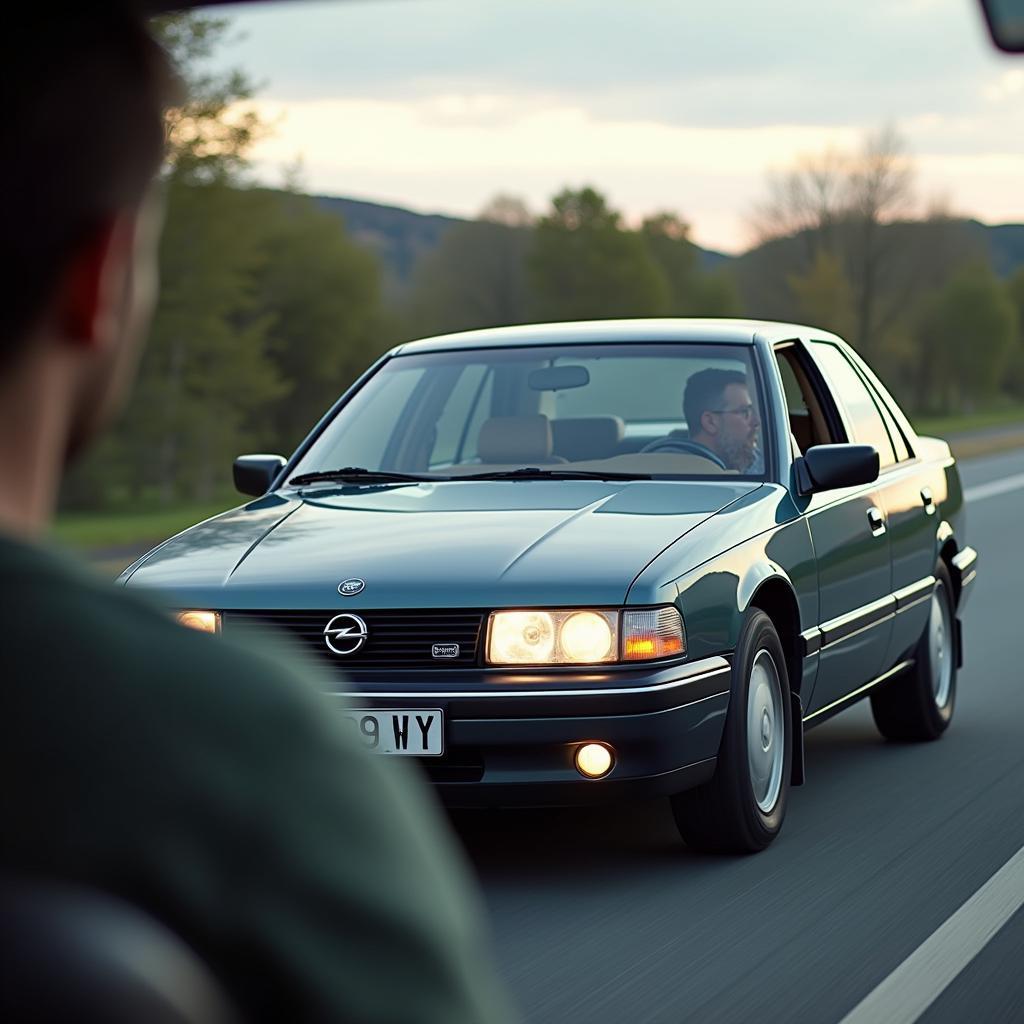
(677, 444)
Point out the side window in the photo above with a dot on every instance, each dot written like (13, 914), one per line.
(887, 404)
(850, 391)
(458, 410)
(807, 423)
(902, 451)
(479, 412)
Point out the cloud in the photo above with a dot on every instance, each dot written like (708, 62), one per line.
(736, 62)
(439, 104)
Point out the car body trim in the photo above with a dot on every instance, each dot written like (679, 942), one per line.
(812, 640)
(965, 563)
(706, 668)
(850, 697)
(916, 592)
(864, 617)
(845, 626)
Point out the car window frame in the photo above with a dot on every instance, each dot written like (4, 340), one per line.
(838, 428)
(888, 404)
(888, 420)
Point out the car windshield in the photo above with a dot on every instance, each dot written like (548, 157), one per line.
(649, 410)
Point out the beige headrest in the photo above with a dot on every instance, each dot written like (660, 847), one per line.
(588, 437)
(520, 439)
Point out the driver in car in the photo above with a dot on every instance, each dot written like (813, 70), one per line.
(722, 421)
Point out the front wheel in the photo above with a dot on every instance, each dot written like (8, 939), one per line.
(740, 810)
(919, 704)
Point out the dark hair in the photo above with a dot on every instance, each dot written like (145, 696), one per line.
(84, 92)
(704, 392)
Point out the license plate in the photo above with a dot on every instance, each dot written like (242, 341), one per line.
(415, 733)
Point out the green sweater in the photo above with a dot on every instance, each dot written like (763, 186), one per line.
(218, 790)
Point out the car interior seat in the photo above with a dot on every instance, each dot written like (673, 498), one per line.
(518, 440)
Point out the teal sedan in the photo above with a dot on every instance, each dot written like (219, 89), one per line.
(573, 562)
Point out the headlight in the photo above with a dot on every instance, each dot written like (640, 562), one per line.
(583, 636)
(203, 622)
(522, 638)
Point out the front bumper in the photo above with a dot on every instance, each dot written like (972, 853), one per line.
(511, 737)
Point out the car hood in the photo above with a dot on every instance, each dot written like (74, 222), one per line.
(465, 544)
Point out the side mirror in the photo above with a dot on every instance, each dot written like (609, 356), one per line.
(255, 473)
(827, 467)
(1005, 20)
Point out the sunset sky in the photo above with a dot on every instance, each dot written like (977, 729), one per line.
(439, 104)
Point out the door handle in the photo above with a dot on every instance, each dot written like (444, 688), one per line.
(929, 501)
(877, 521)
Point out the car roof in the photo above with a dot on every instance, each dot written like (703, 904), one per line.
(584, 332)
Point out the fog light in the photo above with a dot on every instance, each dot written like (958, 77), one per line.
(594, 760)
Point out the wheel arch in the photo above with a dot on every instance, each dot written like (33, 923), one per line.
(948, 549)
(771, 591)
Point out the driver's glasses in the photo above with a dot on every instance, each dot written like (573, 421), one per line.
(746, 411)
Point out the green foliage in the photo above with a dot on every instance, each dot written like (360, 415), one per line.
(209, 134)
(319, 295)
(1015, 362)
(476, 277)
(967, 334)
(206, 369)
(823, 296)
(582, 264)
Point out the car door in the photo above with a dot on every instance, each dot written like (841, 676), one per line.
(850, 537)
(910, 500)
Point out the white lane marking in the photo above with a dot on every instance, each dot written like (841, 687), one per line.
(990, 490)
(905, 995)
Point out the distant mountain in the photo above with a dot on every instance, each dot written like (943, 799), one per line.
(1005, 243)
(399, 237)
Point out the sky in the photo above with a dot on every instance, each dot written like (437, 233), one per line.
(438, 105)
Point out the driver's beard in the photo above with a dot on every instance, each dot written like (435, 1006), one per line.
(739, 455)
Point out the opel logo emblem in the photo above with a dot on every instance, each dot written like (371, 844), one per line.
(349, 588)
(345, 634)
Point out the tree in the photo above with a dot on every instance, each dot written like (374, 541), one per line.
(207, 365)
(1015, 364)
(508, 210)
(805, 201)
(319, 295)
(841, 247)
(967, 336)
(583, 264)
(823, 295)
(208, 134)
(476, 277)
(691, 291)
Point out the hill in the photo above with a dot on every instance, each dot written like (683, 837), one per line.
(399, 236)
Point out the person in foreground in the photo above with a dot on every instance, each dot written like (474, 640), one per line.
(211, 787)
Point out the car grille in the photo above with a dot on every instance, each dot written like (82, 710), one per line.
(395, 638)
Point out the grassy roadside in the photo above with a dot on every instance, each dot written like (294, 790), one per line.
(94, 531)
(951, 426)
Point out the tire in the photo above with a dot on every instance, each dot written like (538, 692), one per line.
(741, 809)
(919, 704)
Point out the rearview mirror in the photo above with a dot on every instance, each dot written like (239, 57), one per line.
(827, 467)
(255, 473)
(559, 378)
(1005, 19)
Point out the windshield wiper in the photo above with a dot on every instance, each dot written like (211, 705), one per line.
(358, 475)
(535, 473)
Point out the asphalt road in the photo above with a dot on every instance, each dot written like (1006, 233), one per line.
(603, 915)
